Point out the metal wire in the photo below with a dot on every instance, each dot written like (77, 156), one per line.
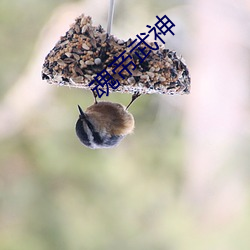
(110, 16)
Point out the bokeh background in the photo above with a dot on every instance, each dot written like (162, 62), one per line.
(180, 182)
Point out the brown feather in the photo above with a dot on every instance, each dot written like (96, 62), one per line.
(111, 117)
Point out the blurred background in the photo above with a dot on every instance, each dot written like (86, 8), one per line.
(180, 182)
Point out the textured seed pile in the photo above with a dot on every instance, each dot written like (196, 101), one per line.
(86, 50)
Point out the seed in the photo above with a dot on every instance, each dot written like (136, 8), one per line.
(150, 74)
(89, 72)
(85, 46)
(84, 28)
(77, 57)
(69, 60)
(61, 62)
(77, 29)
(88, 62)
(103, 37)
(131, 80)
(77, 79)
(78, 70)
(68, 54)
(98, 61)
(136, 72)
(144, 77)
(89, 77)
(64, 43)
(120, 42)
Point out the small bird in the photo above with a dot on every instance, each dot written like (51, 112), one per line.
(104, 124)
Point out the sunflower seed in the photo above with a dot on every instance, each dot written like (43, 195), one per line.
(88, 62)
(85, 46)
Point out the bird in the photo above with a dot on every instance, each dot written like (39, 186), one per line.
(104, 124)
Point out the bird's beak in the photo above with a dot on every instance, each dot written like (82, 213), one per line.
(82, 115)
